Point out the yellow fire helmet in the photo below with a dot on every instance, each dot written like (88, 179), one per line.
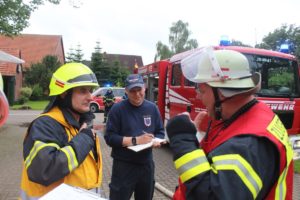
(71, 75)
(225, 69)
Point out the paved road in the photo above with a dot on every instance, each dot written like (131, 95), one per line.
(11, 136)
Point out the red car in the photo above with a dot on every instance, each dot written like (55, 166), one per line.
(97, 104)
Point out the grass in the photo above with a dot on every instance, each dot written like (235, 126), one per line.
(33, 105)
(297, 166)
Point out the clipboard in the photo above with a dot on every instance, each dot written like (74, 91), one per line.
(141, 147)
(65, 192)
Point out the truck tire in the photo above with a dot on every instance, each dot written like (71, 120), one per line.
(93, 108)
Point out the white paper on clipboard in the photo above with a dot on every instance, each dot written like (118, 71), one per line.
(140, 147)
(67, 192)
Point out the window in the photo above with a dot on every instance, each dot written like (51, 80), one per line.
(279, 76)
(188, 83)
(176, 75)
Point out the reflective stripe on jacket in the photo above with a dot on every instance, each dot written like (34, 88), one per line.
(87, 174)
(268, 126)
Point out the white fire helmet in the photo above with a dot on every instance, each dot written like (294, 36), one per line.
(227, 70)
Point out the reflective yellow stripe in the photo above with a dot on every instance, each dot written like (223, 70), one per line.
(72, 160)
(38, 145)
(280, 191)
(277, 129)
(68, 151)
(243, 169)
(191, 165)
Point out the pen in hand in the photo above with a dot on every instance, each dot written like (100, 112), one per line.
(145, 138)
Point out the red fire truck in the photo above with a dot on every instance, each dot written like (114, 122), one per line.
(280, 89)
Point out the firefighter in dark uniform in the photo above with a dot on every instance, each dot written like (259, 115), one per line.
(60, 146)
(108, 100)
(245, 153)
(132, 122)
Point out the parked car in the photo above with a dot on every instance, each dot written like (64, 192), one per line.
(97, 104)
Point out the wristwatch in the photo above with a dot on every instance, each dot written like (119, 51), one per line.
(133, 141)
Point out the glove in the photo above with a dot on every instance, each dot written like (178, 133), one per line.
(182, 135)
(88, 132)
(87, 118)
(83, 143)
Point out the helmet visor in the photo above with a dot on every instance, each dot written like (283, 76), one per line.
(202, 66)
(218, 66)
(85, 78)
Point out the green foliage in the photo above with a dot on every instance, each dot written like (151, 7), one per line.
(34, 105)
(106, 72)
(75, 55)
(41, 73)
(297, 166)
(118, 75)
(286, 32)
(282, 79)
(163, 51)
(239, 43)
(15, 14)
(37, 93)
(25, 93)
(97, 64)
(70, 55)
(179, 39)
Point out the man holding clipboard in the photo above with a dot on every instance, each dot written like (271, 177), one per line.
(131, 122)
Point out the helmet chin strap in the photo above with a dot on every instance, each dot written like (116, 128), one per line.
(218, 108)
(218, 103)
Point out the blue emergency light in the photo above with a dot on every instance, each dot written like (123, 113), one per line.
(225, 41)
(284, 48)
(107, 85)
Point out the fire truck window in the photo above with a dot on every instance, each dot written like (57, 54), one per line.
(176, 75)
(188, 83)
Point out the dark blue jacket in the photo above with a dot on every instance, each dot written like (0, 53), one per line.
(126, 119)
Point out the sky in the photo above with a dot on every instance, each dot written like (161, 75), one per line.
(133, 27)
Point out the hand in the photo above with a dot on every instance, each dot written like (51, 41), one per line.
(145, 138)
(179, 124)
(199, 118)
(182, 135)
(87, 118)
(90, 132)
(157, 144)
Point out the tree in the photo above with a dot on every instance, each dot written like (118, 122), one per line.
(78, 55)
(239, 43)
(286, 34)
(107, 72)
(118, 73)
(163, 51)
(179, 39)
(70, 55)
(75, 55)
(15, 14)
(98, 66)
(41, 73)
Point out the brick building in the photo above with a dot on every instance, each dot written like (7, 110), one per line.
(32, 48)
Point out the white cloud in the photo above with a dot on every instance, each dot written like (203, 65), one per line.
(134, 27)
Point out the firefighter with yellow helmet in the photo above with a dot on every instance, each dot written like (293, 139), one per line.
(60, 146)
(245, 153)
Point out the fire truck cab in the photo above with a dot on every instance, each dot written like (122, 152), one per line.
(280, 88)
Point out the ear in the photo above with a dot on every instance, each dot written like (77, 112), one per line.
(62, 96)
